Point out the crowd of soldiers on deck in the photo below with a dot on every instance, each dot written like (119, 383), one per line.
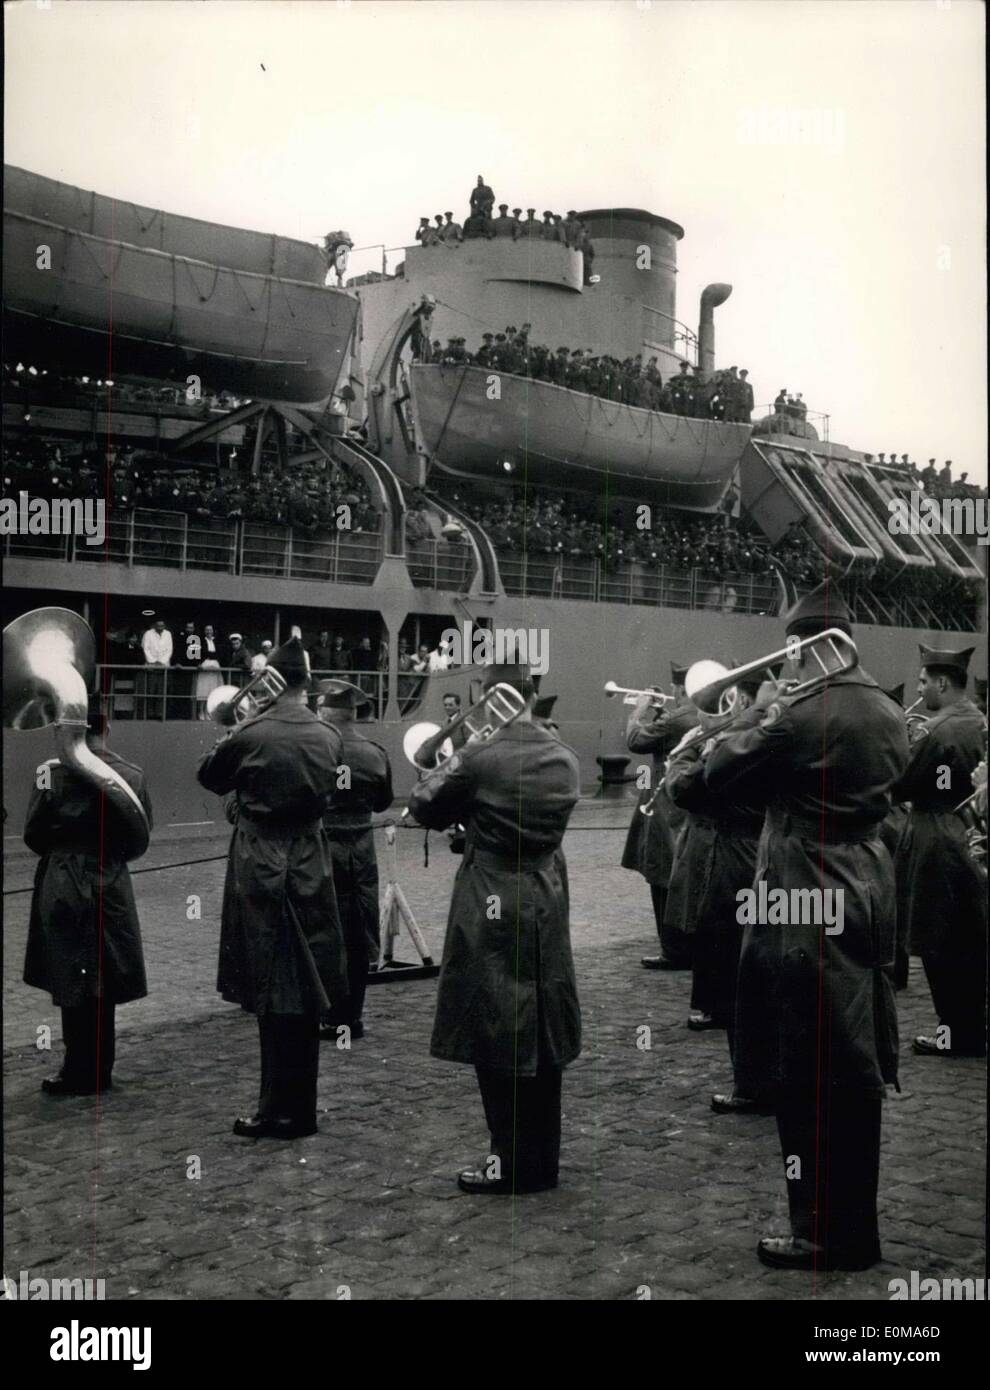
(303, 496)
(725, 395)
(481, 223)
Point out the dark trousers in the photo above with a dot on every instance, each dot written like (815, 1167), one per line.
(523, 1115)
(957, 980)
(658, 894)
(675, 944)
(834, 1201)
(290, 1062)
(90, 1044)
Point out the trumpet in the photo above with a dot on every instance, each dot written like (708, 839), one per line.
(231, 704)
(707, 687)
(657, 697)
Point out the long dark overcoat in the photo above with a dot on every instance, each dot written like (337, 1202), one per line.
(941, 895)
(815, 1008)
(508, 995)
(282, 766)
(84, 925)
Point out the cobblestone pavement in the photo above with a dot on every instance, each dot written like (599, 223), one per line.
(656, 1190)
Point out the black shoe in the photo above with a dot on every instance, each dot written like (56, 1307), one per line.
(478, 1183)
(740, 1105)
(328, 1031)
(661, 963)
(259, 1128)
(787, 1252)
(703, 1023)
(928, 1047)
(59, 1086)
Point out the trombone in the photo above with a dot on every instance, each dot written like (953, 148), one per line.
(712, 688)
(232, 704)
(496, 709)
(708, 687)
(916, 723)
(657, 697)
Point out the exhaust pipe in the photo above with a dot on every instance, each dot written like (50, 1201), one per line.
(711, 297)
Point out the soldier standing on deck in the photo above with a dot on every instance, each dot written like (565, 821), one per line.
(649, 847)
(816, 1022)
(84, 938)
(281, 947)
(364, 785)
(507, 1000)
(941, 895)
(482, 199)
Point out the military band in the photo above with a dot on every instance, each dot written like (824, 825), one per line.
(803, 787)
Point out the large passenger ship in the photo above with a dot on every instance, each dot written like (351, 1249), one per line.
(292, 371)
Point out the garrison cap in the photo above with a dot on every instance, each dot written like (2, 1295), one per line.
(931, 657)
(291, 662)
(512, 673)
(896, 692)
(543, 707)
(677, 673)
(823, 608)
(338, 694)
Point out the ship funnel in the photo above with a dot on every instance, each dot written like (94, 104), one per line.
(711, 297)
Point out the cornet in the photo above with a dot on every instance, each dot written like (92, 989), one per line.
(657, 697)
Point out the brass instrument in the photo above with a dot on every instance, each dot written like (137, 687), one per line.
(497, 708)
(712, 688)
(632, 697)
(917, 724)
(49, 664)
(233, 704)
(707, 689)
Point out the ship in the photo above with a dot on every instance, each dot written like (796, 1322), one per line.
(417, 432)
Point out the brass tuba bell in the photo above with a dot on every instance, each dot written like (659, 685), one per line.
(49, 664)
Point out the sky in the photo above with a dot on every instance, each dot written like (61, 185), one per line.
(825, 157)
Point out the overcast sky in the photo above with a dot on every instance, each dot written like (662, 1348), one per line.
(825, 158)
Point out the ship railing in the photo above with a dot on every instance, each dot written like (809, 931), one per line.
(685, 340)
(434, 564)
(160, 693)
(819, 418)
(610, 581)
(173, 540)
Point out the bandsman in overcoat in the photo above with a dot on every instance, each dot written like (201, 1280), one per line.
(816, 1024)
(281, 948)
(364, 786)
(84, 938)
(649, 847)
(941, 894)
(730, 867)
(507, 1001)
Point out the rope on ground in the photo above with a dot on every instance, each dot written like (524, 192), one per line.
(216, 858)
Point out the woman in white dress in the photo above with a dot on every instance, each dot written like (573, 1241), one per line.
(208, 677)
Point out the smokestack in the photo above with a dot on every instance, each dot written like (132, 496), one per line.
(711, 297)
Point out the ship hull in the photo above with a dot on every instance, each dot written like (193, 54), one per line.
(105, 306)
(558, 434)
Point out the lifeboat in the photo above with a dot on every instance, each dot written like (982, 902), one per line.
(470, 425)
(94, 303)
